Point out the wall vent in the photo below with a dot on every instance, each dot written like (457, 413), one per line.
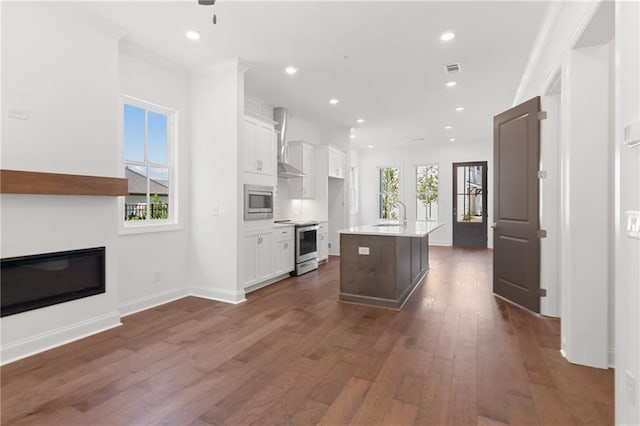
(452, 68)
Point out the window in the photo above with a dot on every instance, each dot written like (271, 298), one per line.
(148, 163)
(389, 192)
(353, 190)
(427, 182)
(469, 193)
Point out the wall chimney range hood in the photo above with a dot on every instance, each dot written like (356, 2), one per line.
(285, 170)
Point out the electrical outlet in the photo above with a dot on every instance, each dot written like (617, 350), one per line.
(363, 251)
(156, 277)
(631, 387)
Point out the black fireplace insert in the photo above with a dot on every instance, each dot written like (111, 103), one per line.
(32, 282)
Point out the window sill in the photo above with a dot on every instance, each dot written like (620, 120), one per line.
(148, 228)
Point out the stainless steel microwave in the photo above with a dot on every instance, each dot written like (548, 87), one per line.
(258, 202)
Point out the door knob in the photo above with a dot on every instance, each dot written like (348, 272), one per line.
(494, 226)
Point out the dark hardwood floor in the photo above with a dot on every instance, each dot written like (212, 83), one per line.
(455, 355)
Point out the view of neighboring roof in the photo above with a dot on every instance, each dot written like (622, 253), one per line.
(138, 184)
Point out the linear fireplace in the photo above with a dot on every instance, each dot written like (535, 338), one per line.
(32, 282)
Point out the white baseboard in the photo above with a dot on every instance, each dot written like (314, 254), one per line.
(266, 283)
(218, 294)
(58, 337)
(440, 243)
(564, 354)
(149, 302)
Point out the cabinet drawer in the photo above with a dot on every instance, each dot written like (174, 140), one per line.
(283, 233)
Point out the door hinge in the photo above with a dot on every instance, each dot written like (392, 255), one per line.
(542, 174)
(542, 292)
(541, 233)
(542, 115)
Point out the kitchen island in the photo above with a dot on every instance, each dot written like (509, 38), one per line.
(382, 264)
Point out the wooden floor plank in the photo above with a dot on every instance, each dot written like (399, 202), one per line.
(292, 354)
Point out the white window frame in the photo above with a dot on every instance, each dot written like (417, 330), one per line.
(152, 225)
(415, 189)
(378, 193)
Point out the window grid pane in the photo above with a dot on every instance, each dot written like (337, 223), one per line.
(147, 168)
(427, 186)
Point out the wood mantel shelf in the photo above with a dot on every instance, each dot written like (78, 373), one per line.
(23, 182)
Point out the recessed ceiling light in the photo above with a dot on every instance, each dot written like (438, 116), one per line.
(370, 146)
(451, 84)
(352, 136)
(360, 120)
(452, 140)
(447, 36)
(291, 70)
(192, 35)
(448, 127)
(334, 101)
(460, 108)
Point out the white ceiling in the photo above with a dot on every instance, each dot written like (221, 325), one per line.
(383, 60)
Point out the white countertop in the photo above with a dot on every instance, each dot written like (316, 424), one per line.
(413, 229)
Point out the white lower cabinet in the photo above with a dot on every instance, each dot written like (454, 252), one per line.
(323, 241)
(267, 254)
(257, 257)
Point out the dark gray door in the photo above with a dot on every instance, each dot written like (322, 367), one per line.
(470, 204)
(516, 253)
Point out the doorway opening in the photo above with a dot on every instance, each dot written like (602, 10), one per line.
(470, 204)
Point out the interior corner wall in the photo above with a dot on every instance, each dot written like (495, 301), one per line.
(66, 75)
(142, 257)
(627, 249)
(215, 201)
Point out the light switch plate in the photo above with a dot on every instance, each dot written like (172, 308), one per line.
(363, 251)
(633, 224)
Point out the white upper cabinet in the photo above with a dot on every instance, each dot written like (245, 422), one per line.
(302, 156)
(336, 163)
(259, 146)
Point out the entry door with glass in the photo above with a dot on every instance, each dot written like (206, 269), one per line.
(470, 204)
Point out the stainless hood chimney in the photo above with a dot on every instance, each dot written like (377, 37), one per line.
(285, 169)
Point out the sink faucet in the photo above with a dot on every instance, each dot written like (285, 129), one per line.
(404, 213)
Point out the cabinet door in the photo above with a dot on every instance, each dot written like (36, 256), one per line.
(249, 260)
(278, 257)
(250, 146)
(266, 149)
(308, 167)
(288, 253)
(264, 264)
(323, 245)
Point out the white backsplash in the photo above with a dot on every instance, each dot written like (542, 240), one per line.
(285, 208)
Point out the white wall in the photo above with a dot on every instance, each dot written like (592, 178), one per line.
(627, 190)
(140, 256)
(585, 210)
(407, 158)
(217, 106)
(66, 75)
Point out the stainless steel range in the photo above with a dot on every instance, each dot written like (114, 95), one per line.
(306, 254)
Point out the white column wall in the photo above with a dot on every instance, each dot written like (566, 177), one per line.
(585, 211)
(216, 111)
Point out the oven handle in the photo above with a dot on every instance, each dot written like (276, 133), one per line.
(308, 228)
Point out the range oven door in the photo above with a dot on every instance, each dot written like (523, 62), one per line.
(306, 243)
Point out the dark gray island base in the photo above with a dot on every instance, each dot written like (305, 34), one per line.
(385, 277)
